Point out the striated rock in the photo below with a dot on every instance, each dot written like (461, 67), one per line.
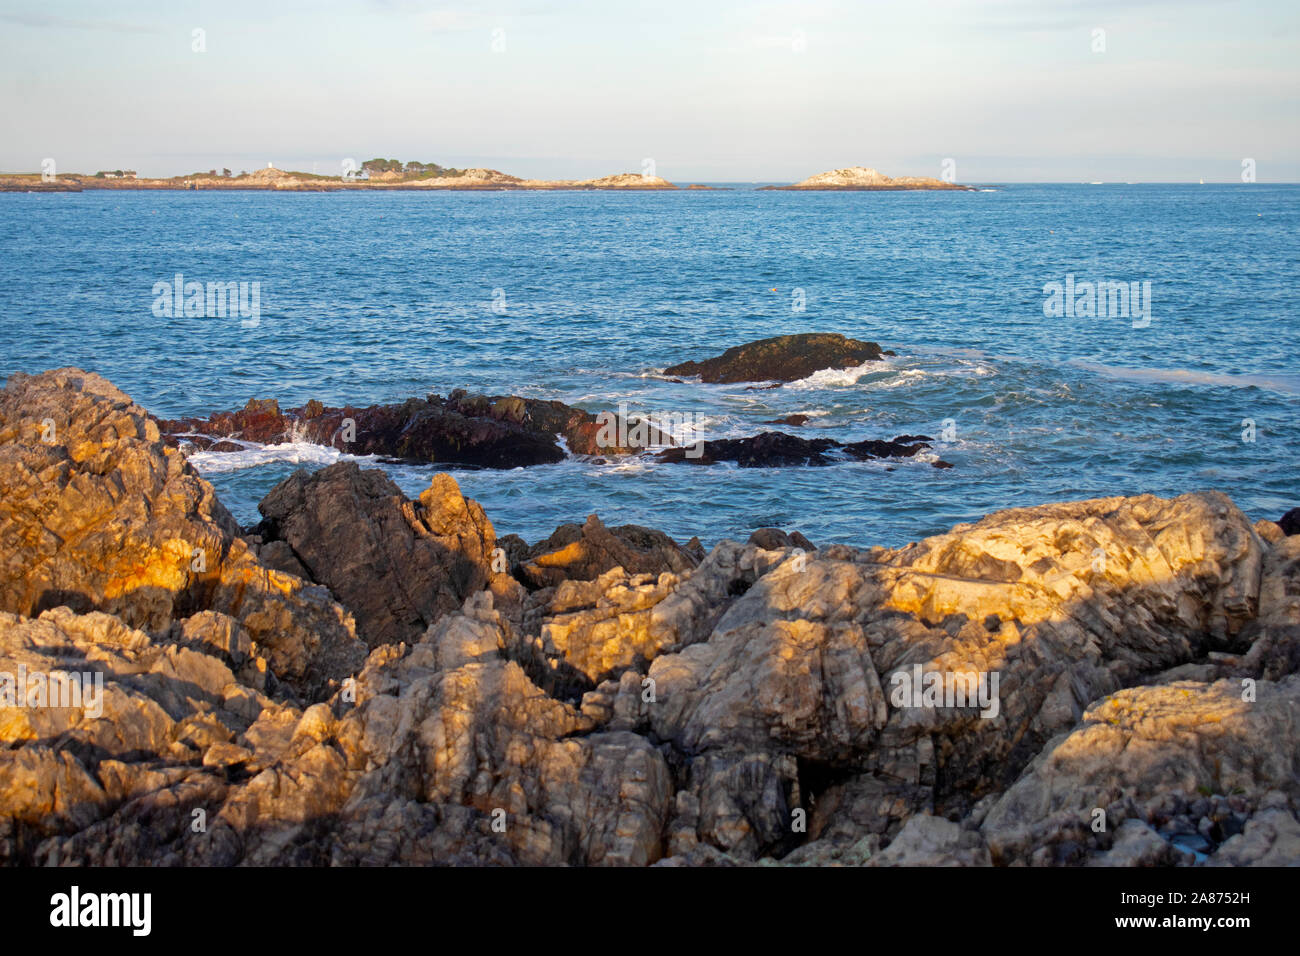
(784, 358)
(1021, 595)
(397, 565)
(98, 514)
(1153, 754)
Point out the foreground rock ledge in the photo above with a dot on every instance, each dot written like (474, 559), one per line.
(685, 715)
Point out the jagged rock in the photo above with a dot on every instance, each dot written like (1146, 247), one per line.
(1022, 595)
(1274, 636)
(1152, 753)
(783, 358)
(98, 514)
(584, 552)
(1144, 652)
(396, 564)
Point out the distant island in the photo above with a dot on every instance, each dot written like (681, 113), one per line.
(383, 174)
(862, 178)
(393, 174)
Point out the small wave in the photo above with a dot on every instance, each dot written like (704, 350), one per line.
(253, 455)
(834, 377)
(1282, 382)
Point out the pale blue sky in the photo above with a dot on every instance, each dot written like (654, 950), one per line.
(1010, 89)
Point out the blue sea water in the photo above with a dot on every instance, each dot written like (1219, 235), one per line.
(376, 297)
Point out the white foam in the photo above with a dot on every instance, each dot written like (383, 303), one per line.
(834, 377)
(1280, 382)
(253, 455)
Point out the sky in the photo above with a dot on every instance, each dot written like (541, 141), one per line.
(1007, 90)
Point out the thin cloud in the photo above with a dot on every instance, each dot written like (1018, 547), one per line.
(46, 21)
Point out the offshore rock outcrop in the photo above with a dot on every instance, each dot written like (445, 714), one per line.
(783, 358)
(779, 450)
(863, 178)
(1135, 657)
(460, 430)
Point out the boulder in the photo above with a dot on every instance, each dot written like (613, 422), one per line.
(779, 450)
(397, 565)
(783, 358)
(584, 552)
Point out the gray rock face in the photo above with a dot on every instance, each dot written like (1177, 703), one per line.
(1109, 682)
(398, 565)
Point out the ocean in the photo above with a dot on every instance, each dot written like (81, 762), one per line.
(586, 296)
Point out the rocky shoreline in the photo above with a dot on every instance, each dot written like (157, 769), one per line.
(468, 180)
(367, 679)
(507, 431)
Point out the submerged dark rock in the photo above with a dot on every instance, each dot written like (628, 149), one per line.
(463, 429)
(778, 450)
(784, 358)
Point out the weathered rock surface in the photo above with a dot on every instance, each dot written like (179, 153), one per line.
(397, 565)
(98, 515)
(1130, 657)
(1192, 763)
(784, 358)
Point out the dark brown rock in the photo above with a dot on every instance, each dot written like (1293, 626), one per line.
(779, 450)
(462, 430)
(785, 358)
(584, 552)
(397, 565)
